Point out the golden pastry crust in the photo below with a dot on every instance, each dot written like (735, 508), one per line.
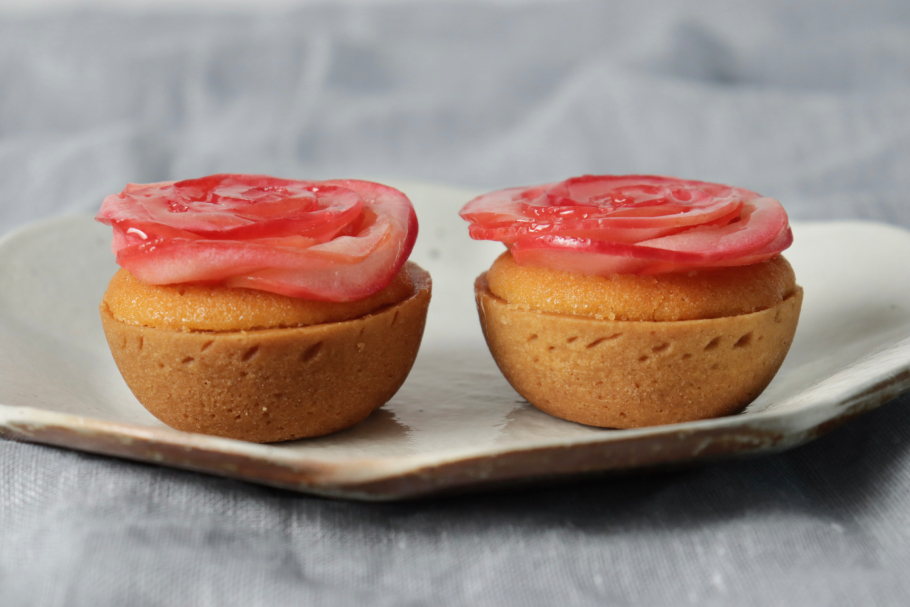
(713, 293)
(272, 384)
(193, 307)
(636, 373)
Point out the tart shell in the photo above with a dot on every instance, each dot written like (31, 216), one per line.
(272, 384)
(630, 374)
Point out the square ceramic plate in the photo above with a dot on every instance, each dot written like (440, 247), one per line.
(456, 424)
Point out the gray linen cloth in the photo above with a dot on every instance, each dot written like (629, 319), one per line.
(805, 101)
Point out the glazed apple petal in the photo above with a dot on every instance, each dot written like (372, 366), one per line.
(353, 249)
(613, 227)
(761, 222)
(289, 271)
(382, 201)
(327, 283)
(780, 243)
(508, 233)
(234, 209)
(558, 242)
(600, 258)
(630, 224)
(334, 240)
(502, 205)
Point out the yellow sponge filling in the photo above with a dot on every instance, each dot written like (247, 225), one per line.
(703, 294)
(188, 307)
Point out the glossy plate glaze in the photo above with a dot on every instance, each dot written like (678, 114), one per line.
(456, 424)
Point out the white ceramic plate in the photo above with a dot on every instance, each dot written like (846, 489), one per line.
(456, 424)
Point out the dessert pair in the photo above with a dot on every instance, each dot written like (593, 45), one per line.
(268, 309)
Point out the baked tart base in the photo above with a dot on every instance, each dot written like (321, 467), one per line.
(630, 374)
(272, 384)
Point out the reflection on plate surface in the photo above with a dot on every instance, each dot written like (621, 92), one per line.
(456, 423)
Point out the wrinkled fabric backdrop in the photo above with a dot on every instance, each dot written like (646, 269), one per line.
(808, 102)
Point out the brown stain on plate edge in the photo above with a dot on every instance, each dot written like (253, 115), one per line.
(670, 449)
(171, 453)
(871, 398)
